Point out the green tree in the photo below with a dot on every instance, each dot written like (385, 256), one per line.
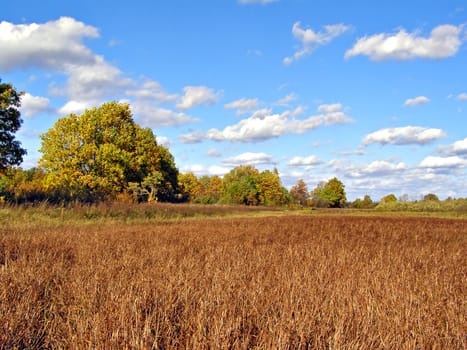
(300, 192)
(98, 153)
(366, 203)
(240, 186)
(11, 152)
(330, 194)
(430, 197)
(390, 198)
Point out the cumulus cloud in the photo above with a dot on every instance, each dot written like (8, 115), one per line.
(200, 170)
(58, 46)
(443, 162)
(457, 148)
(304, 161)
(75, 107)
(287, 99)
(243, 105)
(462, 97)
(152, 116)
(444, 41)
(378, 168)
(404, 136)
(416, 101)
(213, 153)
(33, 105)
(152, 90)
(95, 81)
(164, 141)
(250, 158)
(310, 39)
(52, 45)
(198, 95)
(263, 125)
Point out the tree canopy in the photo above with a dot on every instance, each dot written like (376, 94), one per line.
(11, 152)
(98, 153)
(330, 194)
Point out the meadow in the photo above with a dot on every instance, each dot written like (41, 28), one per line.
(177, 278)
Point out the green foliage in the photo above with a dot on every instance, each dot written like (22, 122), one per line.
(329, 194)
(96, 155)
(240, 186)
(366, 203)
(11, 152)
(430, 197)
(458, 206)
(390, 198)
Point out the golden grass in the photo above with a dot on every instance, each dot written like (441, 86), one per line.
(235, 283)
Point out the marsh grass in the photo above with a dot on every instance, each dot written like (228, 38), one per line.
(293, 282)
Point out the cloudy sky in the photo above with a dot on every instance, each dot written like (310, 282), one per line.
(373, 92)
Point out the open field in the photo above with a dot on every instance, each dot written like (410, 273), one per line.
(279, 282)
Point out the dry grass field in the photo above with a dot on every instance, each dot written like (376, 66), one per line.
(285, 282)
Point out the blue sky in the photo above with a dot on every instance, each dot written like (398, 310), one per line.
(373, 92)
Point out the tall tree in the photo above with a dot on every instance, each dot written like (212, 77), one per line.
(271, 191)
(97, 153)
(332, 193)
(11, 152)
(240, 186)
(300, 192)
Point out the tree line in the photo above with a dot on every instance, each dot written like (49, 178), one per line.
(103, 154)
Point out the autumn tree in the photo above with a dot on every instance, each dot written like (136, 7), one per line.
(431, 197)
(98, 153)
(390, 198)
(270, 189)
(300, 192)
(189, 186)
(11, 152)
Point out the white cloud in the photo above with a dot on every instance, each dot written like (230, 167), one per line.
(457, 148)
(58, 46)
(444, 41)
(416, 101)
(462, 97)
(152, 116)
(310, 39)
(263, 125)
(198, 95)
(262, 2)
(75, 107)
(304, 161)
(200, 170)
(95, 81)
(164, 141)
(213, 153)
(378, 168)
(404, 136)
(329, 108)
(52, 45)
(250, 158)
(443, 162)
(152, 90)
(287, 99)
(33, 105)
(243, 105)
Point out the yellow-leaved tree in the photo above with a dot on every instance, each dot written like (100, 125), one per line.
(97, 154)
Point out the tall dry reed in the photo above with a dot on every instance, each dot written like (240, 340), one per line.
(252, 283)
